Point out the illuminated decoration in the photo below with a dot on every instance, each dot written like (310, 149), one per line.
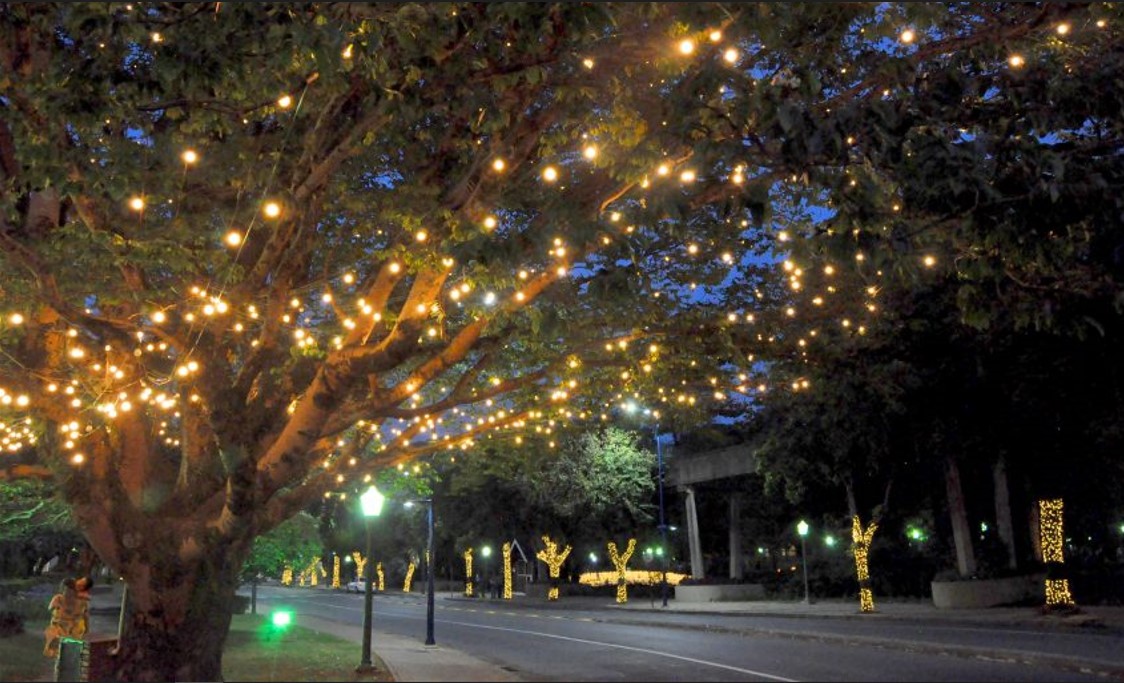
(861, 548)
(336, 572)
(382, 578)
(287, 576)
(621, 563)
(506, 571)
(553, 560)
(1052, 536)
(313, 572)
(409, 578)
(468, 573)
(634, 577)
(282, 618)
(360, 564)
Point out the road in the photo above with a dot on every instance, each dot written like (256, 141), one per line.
(545, 644)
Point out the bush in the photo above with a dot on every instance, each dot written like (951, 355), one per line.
(11, 623)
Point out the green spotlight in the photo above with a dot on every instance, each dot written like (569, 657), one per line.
(282, 618)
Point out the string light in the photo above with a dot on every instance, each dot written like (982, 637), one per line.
(861, 546)
(553, 559)
(620, 563)
(1052, 536)
(468, 573)
(507, 588)
(409, 582)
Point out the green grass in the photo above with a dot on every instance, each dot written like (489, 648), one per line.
(21, 656)
(255, 651)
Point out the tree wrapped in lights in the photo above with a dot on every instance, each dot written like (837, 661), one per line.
(860, 545)
(409, 582)
(381, 577)
(553, 559)
(1052, 534)
(507, 594)
(336, 572)
(468, 587)
(360, 564)
(243, 267)
(620, 563)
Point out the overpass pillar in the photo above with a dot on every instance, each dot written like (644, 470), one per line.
(698, 571)
(736, 570)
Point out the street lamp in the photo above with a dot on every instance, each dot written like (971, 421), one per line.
(428, 568)
(802, 529)
(486, 552)
(371, 504)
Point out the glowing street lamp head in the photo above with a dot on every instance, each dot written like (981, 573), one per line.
(486, 551)
(802, 528)
(371, 502)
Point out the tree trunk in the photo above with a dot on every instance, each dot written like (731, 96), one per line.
(958, 512)
(178, 621)
(1003, 519)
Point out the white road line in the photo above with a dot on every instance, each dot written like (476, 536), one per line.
(629, 648)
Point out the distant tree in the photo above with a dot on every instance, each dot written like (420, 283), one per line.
(293, 543)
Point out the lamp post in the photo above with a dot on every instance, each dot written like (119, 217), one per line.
(486, 552)
(371, 504)
(429, 640)
(802, 529)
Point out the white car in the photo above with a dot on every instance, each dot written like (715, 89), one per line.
(359, 586)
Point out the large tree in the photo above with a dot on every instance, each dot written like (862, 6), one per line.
(253, 252)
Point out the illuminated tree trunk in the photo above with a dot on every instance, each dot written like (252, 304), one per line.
(1053, 544)
(620, 562)
(553, 560)
(861, 545)
(408, 583)
(507, 571)
(468, 573)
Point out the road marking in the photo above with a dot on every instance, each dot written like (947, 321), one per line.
(629, 648)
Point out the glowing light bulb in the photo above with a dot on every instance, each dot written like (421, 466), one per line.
(730, 55)
(907, 36)
(285, 101)
(136, 204)
(1016, 61)
(499, 165)
(715, 36)
(490, 222)
(686, 46)
(1062, 29)
(16, 319)
(421, 236)
(271, 210)
(189, 156)
(550, 174)
(590, 152)
(233, 238)
(930, 261)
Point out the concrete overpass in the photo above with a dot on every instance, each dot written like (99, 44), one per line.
(685, 470)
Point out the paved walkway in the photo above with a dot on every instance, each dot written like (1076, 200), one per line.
(410, 660)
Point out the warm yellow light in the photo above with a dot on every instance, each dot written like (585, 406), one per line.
(550, 174)
(234, 238)
(730, 55)
(189, 156)
(16, 319)
(285, 101)
(587, 63)
(590, 152)
(687, 176)
(136, 204)
(686, 46)
(1016, 61)
(421, 235)
(498, 165)
(907, 36)
(78, 459)
(930, 261)
(395, 267)
(1062, 29)
(490, 222)
(271, 209)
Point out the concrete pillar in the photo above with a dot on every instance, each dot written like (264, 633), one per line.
(698, 571)
(736, 536)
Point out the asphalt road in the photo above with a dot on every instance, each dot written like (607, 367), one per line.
(611, 645)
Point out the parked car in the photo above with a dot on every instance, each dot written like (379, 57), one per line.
(359, 586)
